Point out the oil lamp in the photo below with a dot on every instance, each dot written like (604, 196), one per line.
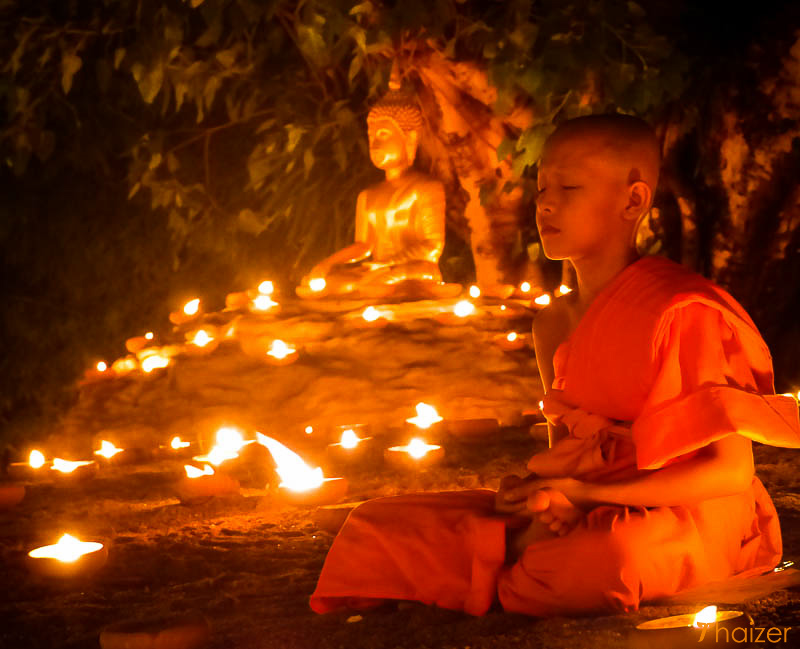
(542, 300)
(202, 341)
(189, 312)
(138, 343)
(281, 353)
(461, 311)
(474, 292)
(124, 365)
(26, 470)
(200, 485)
(511, 341)
(229, 441)
(372, 318)
(263, 304)
(153, 359)
(99, 371)
(426, 417)
(525, 288)
(70, 557)
(112, 455)
(706, 628)
(415, 455)
(73, 470)
(300, 484)
(563, 290)
(350, 448)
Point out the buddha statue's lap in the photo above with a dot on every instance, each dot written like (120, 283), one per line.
(399, 233)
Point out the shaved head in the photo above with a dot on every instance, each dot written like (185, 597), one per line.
(627, 141)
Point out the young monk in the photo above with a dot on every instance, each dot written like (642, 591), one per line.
(656, 382)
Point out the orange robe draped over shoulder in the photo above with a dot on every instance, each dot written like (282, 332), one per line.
(662, 363)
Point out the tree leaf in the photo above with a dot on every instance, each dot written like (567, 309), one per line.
(151, 81)
(119, 54)
(355, 68)
(70, 64)
(295, 133)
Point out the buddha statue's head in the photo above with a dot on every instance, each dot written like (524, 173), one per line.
(394, 124)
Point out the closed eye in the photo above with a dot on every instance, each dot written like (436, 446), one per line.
(570, 186)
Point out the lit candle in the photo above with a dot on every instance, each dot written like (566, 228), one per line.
(73, 470)
(511, 341)
(706, 628)
(543, 299)
(200, 485)
(70, 557)
(458, 315)
(229, 441)
(119, 456)
(266, 288)
(189, 312)
(153, 359)
(416, 454)
(177, 443)
(125, 365)
(202, 341)
(350, 448)
(317, 284)
(563, 290)
(107, 450)
(262, 304)
(426, 416)
(98, 371)
(474, 291)
(525, 287)
(27, 470)
(300, 484)
(280, 353)
(464, 308)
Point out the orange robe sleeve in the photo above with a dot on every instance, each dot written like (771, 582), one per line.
(714, 379)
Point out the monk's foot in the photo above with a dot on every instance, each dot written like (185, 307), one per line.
(555, 510)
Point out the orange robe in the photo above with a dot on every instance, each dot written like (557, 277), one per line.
(662, 363)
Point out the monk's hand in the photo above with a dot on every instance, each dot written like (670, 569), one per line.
(512, 495)
(554, 509)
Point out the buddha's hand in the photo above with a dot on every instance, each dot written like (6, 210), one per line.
(555, 510)
(512, 496)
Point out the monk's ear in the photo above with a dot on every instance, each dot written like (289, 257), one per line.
(640, 197)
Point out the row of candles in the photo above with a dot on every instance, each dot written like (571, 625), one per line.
(147, 357)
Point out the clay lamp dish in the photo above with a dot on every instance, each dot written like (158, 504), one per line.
(300, 484)
(176, 448)
(34, 468)
(68, 558)
(186, 632)
(372, 318)
(100, 372)
(113, 456)
(351, 448)
(153, 358)
(468, 430)
(229, 441)
(281, 353)
(125, 365)
(201, 341)
(331, 517)
(73, 471)
(188, 313)
(138, 343)
(263, 305)
(201, 485)
(512, 341)
(460, 314)
(707, 628)
(415, 455)
(11, 494)
(427, 419)
(314, 289)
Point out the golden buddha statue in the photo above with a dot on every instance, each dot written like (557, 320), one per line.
(399, 233)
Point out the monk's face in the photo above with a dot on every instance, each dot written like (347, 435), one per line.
(582, 195)
(388, 144)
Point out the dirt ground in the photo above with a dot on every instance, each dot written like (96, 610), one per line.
(249, 563)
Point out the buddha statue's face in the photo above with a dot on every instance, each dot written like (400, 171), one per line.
(389, 146)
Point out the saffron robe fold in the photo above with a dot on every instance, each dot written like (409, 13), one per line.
(662, 363)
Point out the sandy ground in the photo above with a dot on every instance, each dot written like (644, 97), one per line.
(249, 563)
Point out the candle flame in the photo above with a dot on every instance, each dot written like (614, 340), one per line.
(543, 299)
(263, 303)
(192, 306)
(67, 550)
(177, 443)
(201, 338)
(707, 616)
(464, 308)
(148, 335)
(502, 307)
(154, 361)
(541, 405)
(279, 349)
(294, 473)
(474, 291)
(36, 459)
(350, 439)
(194, 472)
(66, 466)
(426, 416)
(371, 314)
(417, 448)
(309, 430)
(229, 443)
(124, 365)
(563, 290)
(511, 337)
(525, 287)
(101, 366)
(317, 284)
(266, 288)
(108, 450)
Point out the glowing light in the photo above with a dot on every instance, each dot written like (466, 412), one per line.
(309, 430)
(349, 439)
(464, 308)
(279, 349)
(192, 306)
(417, 448)
(541, 405)
(317, 284)
(177, 443)
(707, 616)
(525, 287)
(502, 307)
(68, 549)
(511, 337)
(154, 361)
(108, 450)
(229, 443)
(36, 459)
(101, 366)
(201, 338)
(543, 299)
(474, 291)
(371, 314)
(194, 472)
(294, 473)
(66, 466)
(263, 303)
(124, 365)
(426, 416)
(266, 288)
(149, 335)
(563, 290)
(231, 332)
